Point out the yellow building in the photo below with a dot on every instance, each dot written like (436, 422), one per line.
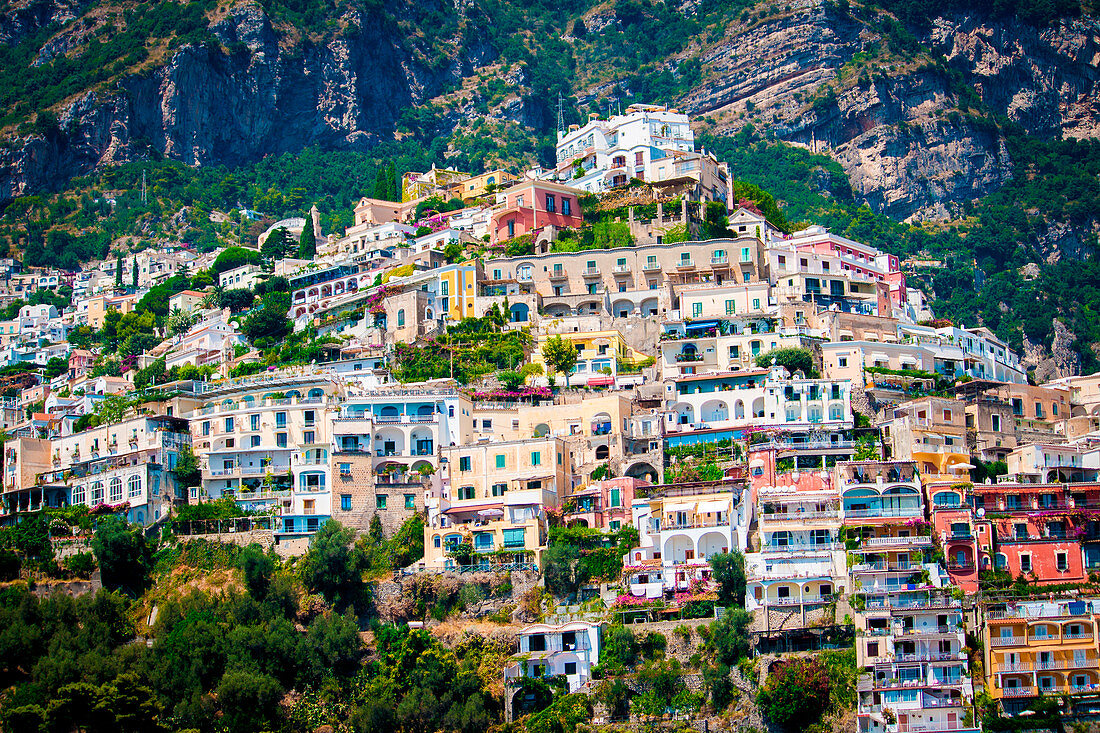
(932, 433)
(1040, 647)
(598, 354)
(422, 185)
(476, 186)
(456, 290)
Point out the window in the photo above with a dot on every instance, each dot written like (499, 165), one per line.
(345, 469)
(410, 501)
(254, 441)
(280, 420)
(78, 495)
(566, 206)
(465, 493)
(570, 668)
(696, 310)
(784, 591)
(616, 500)
(97, 493)
(254, 422)
(500, 461)
(536, 458)
(996, 423)
(550, 203)
(842, 361)
(280, 440)
(310, 417)
(512, 228)
(380, 501)
(230, 442)
(134, 485)
(115, 490)
(745, 256)
(464, 463)
(731, 307)
(206, 427)
(1025, 563)
(756, 304)
(229, 425)
(400, 316)
(499, 489)
(947, 415)
(1063, 561)
(345, 502)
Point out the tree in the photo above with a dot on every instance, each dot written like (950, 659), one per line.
(234, 257)
(563, 570)
(267, 325)
(257, 567)
(307, 243)
(560, 355)
(187, 468)
(332, 567)
(181, 321)
(715, 221)
(249, 701)
(791, 358)
(112, 409)
(118, 271)
(795, 694)
(729, 573)
(123, 554)
(236, 299)
(729, 636)
(134, 273)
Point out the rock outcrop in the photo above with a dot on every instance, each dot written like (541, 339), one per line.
(260, 93)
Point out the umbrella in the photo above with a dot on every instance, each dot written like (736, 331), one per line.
(491, 513)
(962, 466)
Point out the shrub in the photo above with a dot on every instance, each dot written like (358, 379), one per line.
(795, 694)
(82, 564)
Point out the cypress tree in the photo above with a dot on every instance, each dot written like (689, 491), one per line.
(307, 243)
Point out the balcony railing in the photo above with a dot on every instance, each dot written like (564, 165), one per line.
(689, 356)
(912, 541)
(1009, 640)
(650, 266)
(799, 516)
(1022, 691)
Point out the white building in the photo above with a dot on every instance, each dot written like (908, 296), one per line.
(570, 650)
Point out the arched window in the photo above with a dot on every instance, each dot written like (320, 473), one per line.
(116, 490)
(602, 453)
(97, 493)
(135, 486)
(79, 494)
(400, 317)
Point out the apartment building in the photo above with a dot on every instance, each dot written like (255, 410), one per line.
(128, 466)
(1049, 463)
(494, 498)
(569, 650)
(604, 505)
(1033, 530)
(634, 281)
(931, 432)
(533, 206)
(915, 676)
(599, 355)
(884, 510)
(1001, 416)
(727, 344)
(952, 521)
(711, 407)
(266, 441)
(681, 527)
(1040, 647)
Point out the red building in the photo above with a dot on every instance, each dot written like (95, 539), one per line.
(1040, 531)
(952, 523)
(603, 505)
(532, 206)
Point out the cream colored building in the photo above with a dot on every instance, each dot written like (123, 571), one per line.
(266, 441)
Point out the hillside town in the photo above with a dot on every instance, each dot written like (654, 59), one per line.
(669, 373)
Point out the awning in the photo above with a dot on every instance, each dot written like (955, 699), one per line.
(603, 381)
(679, 506)
(757, 463)
(494, 512)
(711, 507)
(470, 508)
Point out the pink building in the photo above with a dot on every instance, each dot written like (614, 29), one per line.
(604, 504)
(530, 207)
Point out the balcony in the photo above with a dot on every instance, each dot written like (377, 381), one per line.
(913, 541)
(651, 267)
(719, 260)
(590, 272)
(685, 265)
(797, 516)
(1008, 641)
(883, 512)
(689, 356)
(1023, 691)
(622, 269)
(559, 275)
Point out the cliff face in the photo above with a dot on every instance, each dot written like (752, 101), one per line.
(812, 75)
(267, 94)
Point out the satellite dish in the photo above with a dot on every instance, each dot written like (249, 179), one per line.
(981, 512)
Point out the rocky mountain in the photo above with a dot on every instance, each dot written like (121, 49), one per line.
(931, 110)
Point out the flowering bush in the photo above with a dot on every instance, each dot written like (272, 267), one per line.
(510, 395)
